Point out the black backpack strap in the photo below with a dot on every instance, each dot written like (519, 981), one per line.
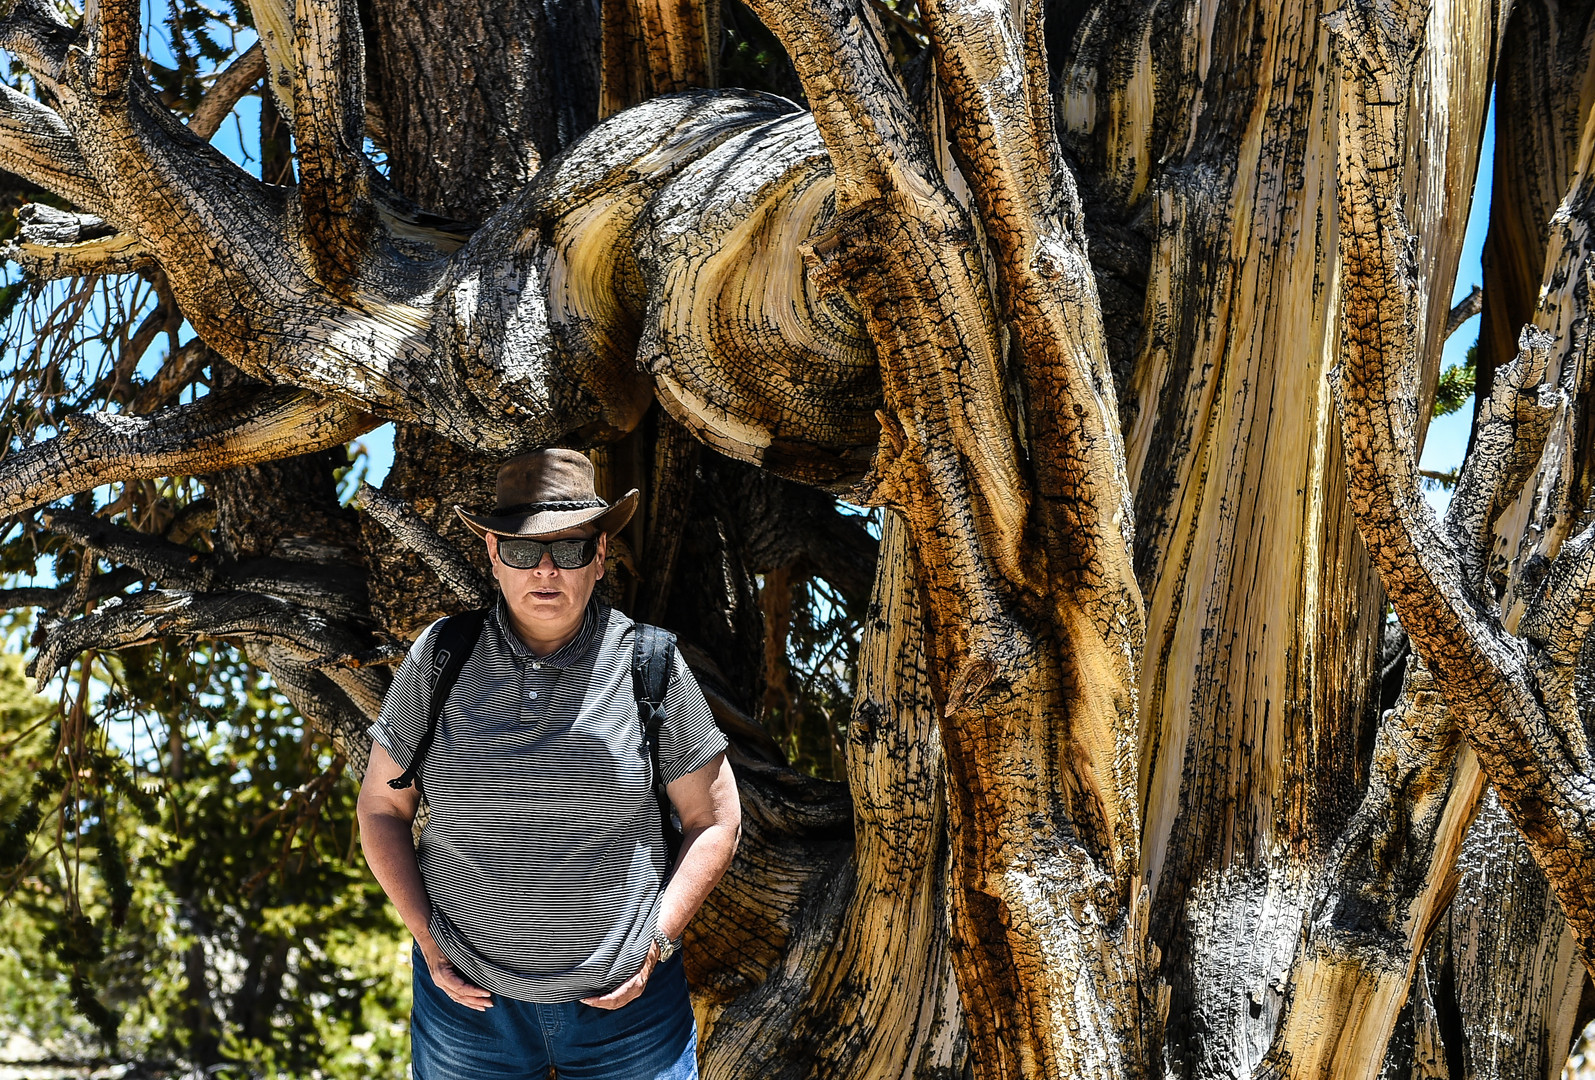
(653, 658)
(453, 644)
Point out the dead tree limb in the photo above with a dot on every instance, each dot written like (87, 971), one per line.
(218, 431)
(1531, 748)
(439, 555)
(234, 81)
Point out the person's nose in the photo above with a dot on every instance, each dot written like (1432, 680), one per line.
(547, 567)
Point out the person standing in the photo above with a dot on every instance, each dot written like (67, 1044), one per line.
(546, 913)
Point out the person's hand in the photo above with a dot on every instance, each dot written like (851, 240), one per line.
(448, 980)
(631, 988)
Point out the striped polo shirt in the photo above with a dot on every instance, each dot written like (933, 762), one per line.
(542, 853)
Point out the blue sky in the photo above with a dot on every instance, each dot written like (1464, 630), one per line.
(1448, 435)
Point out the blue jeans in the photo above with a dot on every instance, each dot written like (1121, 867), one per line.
(652, 1037)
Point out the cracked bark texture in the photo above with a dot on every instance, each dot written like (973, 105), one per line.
(1517, 977)
(1513, 697)
(1129, 314)
(1263, 612)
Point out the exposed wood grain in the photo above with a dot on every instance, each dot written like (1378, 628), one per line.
(217, 431)
(1530, 746)
(1158, 868)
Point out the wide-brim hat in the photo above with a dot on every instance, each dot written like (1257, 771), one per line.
(549, 491)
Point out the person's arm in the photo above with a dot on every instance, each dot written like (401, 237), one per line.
(711, 822)
(386, 818)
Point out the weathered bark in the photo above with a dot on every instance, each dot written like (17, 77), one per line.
(879, 929)
(443, 559)
(1512, 700)
(1263, 613)
(223, 430)
(652, 47)
(429, 477)
(502, 79)
(232, 84)
(1516, 975)
(1146, 868)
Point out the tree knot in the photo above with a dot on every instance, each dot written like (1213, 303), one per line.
(974, 675)
(886, 482)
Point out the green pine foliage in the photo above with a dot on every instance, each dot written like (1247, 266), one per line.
(197, 897)
(1455, 388)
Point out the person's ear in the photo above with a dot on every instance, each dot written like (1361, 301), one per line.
(491, 540)
(603, 549)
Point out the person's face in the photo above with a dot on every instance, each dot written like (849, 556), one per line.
(545, 595)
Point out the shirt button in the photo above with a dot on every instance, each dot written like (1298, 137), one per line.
(536, 665)
(534, 693)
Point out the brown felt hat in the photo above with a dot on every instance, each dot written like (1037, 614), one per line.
(549, 491)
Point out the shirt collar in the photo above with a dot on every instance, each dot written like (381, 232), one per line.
(563, 657)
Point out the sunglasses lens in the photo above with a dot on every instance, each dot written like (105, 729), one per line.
(572, 554)
(527, 554)
(521, 554)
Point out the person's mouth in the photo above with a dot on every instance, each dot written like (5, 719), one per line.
(546, 594)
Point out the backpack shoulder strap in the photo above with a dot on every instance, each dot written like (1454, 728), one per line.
(453, 644)
(652, 659)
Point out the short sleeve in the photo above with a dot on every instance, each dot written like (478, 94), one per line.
(403, 722)
(688, 736)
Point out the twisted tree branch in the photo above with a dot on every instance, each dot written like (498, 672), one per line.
(182, 367)
(496, 346)
(1511, 429)
(143, 617)
(1010, 670)
(1006, 146)
(54, 244)
(37, 145)
(1464, 309)
(36, 32)
(219, 431)
(329, 590)
(1388, 879)
(1484, 673)
(274, 20)
(154, 557)
(54, 599)
(233, 83)
(443, 558)
(1559, 621)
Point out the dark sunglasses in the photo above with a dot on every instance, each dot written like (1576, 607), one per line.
(528, 554)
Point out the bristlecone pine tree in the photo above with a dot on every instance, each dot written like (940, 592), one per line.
(1130, 315)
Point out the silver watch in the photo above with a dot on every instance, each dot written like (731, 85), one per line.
(668, 947)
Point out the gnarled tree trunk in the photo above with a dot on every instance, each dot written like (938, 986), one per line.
(1129, 314)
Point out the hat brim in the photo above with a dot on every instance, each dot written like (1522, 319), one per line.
(610, 519)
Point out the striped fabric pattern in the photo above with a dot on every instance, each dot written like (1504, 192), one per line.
(542, 855)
